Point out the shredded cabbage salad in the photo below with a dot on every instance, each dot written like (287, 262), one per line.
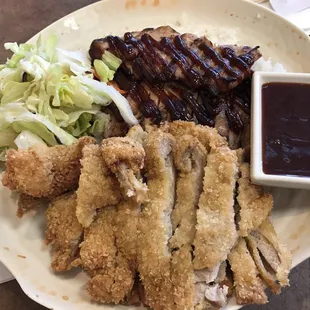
(49, 96)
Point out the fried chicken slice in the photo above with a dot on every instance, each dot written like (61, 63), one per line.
(255, 204)
(208, 137)
(155, 225)
(125, 158)
(28, 203)
(111, 275)
(137, 133)
(216, 231)
(249, 287)
(63, 232)
(190, 159)
(45, 172)
(275, 266)
(98, 187)
(183, 278)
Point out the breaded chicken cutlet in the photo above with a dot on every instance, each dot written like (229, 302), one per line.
(125, 158)
(98, 187)
(111, 275)
(176, 243)
(119, 234)
(155, 226)
(64, 232)
(216, 232)
(45, 172)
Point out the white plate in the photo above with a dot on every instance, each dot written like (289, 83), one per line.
(300, 19)
(21, 241)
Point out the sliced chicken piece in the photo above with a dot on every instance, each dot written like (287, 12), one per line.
(125, 158)
(98, 187)
(129, 210)
(183, 279)
(190, 160)
(28, 203)
(221, 275)
(207, 136)
(126, 230)
(255, 204)
(45, 172)
(111, 275)
(207, 275)
(155, 224)
(137, 133)
(249, 287)
(63, 232)
(216, 231)
(277, 260)
(217, 295)
(202, 293)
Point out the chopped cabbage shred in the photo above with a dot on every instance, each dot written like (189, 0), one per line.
(48, 95)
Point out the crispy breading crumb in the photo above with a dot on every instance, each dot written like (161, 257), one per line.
(98, 187)
(45, 172)
(63, 232)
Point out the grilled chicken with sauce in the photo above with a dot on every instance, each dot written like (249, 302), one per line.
(171, 76)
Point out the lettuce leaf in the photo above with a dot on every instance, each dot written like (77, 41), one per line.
(100, 124)
(102, 90)
(7, 137)
(14, 92)
(103, 71)
(19, 118)
(27, 139)
(111, 61)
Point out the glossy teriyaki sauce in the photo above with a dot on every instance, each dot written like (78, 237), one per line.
(286, 128)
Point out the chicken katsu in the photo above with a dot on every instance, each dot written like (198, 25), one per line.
(45, 172)
(215, 214)
(166, 216)
(254, 204)
(248, 285)
(64, 232)
(98, 187)
(155, 225)
(125, 158)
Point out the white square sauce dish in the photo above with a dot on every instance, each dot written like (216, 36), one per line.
(280, 154)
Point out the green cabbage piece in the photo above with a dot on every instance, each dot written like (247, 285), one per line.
(18, 118)
(111, 61)
(104, 72)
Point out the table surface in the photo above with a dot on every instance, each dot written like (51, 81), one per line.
(20, 20)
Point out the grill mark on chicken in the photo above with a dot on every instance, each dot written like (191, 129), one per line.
(64, 232)
(172, 49)
(153, 59)
(248, 286)
(155, 224)
(215, 215)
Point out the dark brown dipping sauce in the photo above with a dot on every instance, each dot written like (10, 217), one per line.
(286, 128)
